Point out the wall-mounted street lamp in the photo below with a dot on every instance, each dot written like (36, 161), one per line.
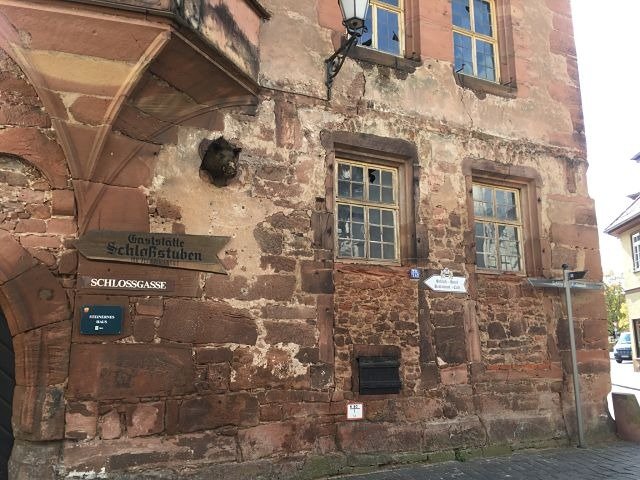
(354, 13)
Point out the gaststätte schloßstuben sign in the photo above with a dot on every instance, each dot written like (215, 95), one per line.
(191, 252)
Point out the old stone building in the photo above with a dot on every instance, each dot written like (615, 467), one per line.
(453, 142)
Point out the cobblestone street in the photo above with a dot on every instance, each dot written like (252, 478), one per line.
(619, 460)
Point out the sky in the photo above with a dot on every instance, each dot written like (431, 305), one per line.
(607, 43)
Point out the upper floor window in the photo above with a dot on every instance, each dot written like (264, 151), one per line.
(384, 26)
(635, 251)
(498, 228)
(367, 211)
(474, 38)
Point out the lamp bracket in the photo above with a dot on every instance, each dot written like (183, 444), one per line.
(334, 62)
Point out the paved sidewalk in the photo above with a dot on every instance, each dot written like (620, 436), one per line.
(618, 460)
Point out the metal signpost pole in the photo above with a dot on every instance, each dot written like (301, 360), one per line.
(570, 280)
(574, 361)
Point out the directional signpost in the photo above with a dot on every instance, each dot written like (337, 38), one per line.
(570, 280)
(573, 284)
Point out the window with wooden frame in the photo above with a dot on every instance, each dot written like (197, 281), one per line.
(635, 251)
(498, 228)
(366, 211)
(372, 187)
(475, 40)
(385, 27)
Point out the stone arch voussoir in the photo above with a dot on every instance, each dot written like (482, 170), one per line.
(34, 147)
(39, 319)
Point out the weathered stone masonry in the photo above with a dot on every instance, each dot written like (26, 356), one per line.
(247, 375)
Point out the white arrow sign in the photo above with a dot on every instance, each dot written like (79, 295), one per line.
(446, 283)
(559, 283)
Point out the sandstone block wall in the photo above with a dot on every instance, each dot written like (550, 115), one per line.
(251, 372)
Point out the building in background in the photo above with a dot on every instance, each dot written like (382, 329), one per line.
(627, 228)
(205, 264)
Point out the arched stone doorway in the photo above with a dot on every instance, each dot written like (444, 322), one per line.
(36, 313)
(7, 382)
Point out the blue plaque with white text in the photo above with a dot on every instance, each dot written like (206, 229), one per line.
(101, 319)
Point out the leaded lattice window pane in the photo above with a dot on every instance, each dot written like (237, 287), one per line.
(367, 210)
(461, 14)
(463, 50)
(384, 26)
(498, 228)
(474, 38)
(635, 250)
(482, 17)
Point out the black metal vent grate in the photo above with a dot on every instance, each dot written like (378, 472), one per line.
(379, 375)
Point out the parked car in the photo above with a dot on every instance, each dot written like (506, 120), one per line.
(622, 348)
